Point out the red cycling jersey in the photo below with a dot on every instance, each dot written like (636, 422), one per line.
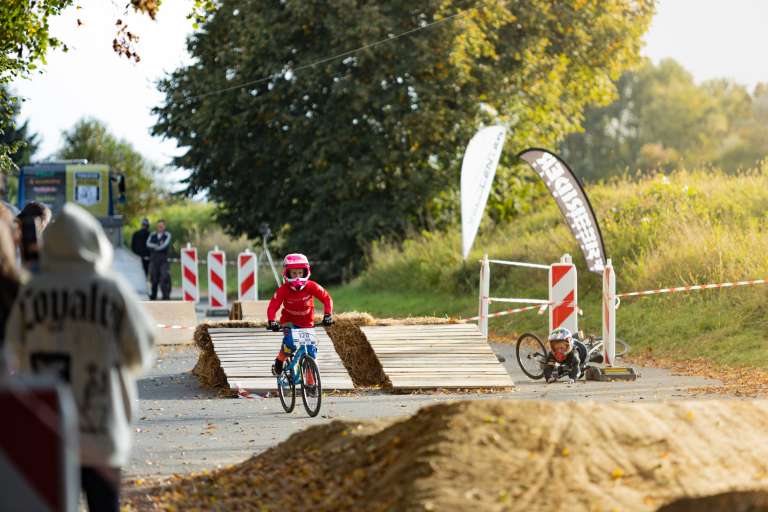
(298, 307)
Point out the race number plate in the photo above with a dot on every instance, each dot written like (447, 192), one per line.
(304, 336)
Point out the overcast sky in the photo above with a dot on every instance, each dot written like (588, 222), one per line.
(711, 38)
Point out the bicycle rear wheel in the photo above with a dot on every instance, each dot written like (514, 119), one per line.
(622, 347)
(531, 355)
(311, 387)
(286, 390)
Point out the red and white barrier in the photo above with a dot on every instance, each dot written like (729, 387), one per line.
(190, 286)
(609, 313)
(246, 276)
(39, 453)
(217, 279)
(563, 296)
(563, 311)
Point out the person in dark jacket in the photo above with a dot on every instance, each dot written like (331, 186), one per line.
(139, 245)
(567, 356)
(159, 243)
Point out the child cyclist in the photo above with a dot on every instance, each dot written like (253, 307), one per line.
(296, 296)
(569, 352)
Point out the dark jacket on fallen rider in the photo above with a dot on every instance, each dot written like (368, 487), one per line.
(573, 365)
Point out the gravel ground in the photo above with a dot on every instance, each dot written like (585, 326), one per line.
(184, 428)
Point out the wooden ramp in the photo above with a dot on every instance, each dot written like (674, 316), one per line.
(247, 354)
(436, 356)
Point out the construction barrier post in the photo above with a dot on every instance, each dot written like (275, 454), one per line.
(39, 453)
(246, 276)
(609, 313)
(485, 293)
(190, 286)
(217, 279)
(563, 305)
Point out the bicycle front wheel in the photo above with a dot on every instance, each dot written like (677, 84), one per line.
(311, 388)
(531, 355)
(286, 390)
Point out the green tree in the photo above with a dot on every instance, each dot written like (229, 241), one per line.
(369, 145)
(90, 139)
(663, 120)
(15, 135)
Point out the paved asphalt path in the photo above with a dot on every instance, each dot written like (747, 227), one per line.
(184, 428)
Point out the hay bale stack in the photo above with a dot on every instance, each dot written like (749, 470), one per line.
(208, 367)
(502, 455)
(236, 311)
(355, 351)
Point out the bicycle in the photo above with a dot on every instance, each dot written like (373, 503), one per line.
(532, 354)
(301, 368)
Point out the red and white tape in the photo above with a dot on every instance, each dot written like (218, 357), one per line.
(677, 289)
(166, 326)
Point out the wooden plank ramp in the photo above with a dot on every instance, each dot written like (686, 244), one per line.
(436, 356)
(247, 354)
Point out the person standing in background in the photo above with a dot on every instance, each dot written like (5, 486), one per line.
(159, 243)
(139, 245)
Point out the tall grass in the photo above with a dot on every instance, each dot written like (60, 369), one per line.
(684, 228)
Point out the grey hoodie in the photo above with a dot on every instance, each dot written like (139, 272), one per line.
(79, 321)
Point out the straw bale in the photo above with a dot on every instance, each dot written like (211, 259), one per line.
(355, 351)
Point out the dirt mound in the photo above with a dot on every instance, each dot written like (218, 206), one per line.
(754, 501)
(499, 455)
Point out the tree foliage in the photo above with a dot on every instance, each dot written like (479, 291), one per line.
(90, 139)
(25, 39)
(663, 120)
(17, 136)
(348, 150)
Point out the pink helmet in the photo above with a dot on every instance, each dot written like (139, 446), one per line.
(292, 261)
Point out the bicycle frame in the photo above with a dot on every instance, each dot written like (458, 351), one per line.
(300, 353)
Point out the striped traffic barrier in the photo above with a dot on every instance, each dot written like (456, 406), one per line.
(217, 279)
(190, 285)
(563, 310)
(39, 453)
(246, 276)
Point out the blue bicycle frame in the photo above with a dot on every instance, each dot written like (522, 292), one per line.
(299, 353)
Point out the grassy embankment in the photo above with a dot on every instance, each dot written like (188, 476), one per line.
(687, 228)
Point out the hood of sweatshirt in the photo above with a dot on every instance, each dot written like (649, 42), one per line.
(75, 239)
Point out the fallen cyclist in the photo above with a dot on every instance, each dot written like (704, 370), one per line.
(567, 356)
(296, 296)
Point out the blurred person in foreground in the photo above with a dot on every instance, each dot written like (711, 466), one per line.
(10, 274)
(78, 321)
(31, 222)
(159, 243)
(139, 245)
